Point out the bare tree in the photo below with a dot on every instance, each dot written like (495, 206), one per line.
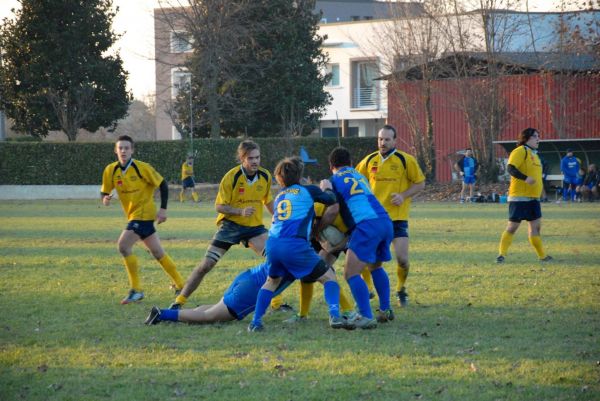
(414, 42)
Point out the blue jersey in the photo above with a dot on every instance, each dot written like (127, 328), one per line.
(294, 210)
(357, 202)
(569, 166)
(469, 166)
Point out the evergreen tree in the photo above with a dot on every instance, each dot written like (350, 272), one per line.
(55, 73)
(269, 79)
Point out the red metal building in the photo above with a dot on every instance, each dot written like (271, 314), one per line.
(561, 100)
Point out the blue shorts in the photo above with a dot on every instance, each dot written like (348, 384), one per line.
(188, 182)
(571, 180)
(400, 228)
(469, 179)
(240, 297)
(232, 233)
(370, 240)
(293, 256)
(143, 228)
(524, 210)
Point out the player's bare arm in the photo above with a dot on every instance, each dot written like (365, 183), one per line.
(399, 197)
(234, 211)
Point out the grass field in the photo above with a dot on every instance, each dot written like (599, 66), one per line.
(474, 330)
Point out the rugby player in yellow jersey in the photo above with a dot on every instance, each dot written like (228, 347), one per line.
(242, 193)
(135, 182)
(187, 179)
(525, 169)
(395, 177)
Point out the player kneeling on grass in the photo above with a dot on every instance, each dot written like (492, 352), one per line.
(135, 182)
(288, 249)
(238, 301)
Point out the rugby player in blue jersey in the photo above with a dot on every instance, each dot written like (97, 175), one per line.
(288, 248)
(371, 233)
(238, 300)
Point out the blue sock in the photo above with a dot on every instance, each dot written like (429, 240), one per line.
(169, 314)
(382, 286)
(263, 300)
(360, 292)
(332, 297)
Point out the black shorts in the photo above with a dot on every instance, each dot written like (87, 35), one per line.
(524, 210)
(230, 233)
(400, 228)
(188, 183)
(143, 228)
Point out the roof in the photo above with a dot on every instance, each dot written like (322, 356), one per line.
(477, 64)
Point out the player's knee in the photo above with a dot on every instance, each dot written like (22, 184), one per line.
(403, 263)
(123, 249)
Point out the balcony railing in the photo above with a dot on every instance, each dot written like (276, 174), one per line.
(364, 98)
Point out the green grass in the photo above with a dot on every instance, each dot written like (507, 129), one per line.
(474, 330)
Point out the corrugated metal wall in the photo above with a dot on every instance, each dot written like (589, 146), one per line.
(558, 106)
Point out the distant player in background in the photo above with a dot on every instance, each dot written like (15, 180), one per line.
(525, 169)
(569, 166)
(371, 235)
(467, 167)
(395, 177)
(589, 187)
(243, 192)
(135, 182)
(187, 179)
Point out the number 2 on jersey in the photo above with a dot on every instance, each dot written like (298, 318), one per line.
(354, 190)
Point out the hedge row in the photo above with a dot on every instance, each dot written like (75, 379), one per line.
(82, 163)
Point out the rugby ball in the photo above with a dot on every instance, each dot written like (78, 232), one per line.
(332, 235)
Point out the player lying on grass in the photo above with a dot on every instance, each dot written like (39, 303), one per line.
(238, 301)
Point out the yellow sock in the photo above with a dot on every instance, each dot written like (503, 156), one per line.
(132, 267)
(536, 242)
(181, 299)
(402, 274)
(366, 275)
(276, 302)
(195, 196)
(169, 267)
(345, 304)
(505, 242)
(306, 294)
(181, 196)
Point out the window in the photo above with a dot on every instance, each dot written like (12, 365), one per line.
(364, 87)
(181, 42)
(334, 70)
(179, 79)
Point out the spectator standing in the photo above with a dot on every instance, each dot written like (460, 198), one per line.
(467, 167)
(569, 166)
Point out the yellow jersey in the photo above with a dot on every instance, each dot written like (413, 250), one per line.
(527, 161)
(186, 171)
(337, 223)
(236, 190)
(393, 174)
(135, 186)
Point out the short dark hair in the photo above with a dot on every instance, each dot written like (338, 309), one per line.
(340, 157)
(290, 170)
(391, 128)
(525, 135)
(125, 138)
